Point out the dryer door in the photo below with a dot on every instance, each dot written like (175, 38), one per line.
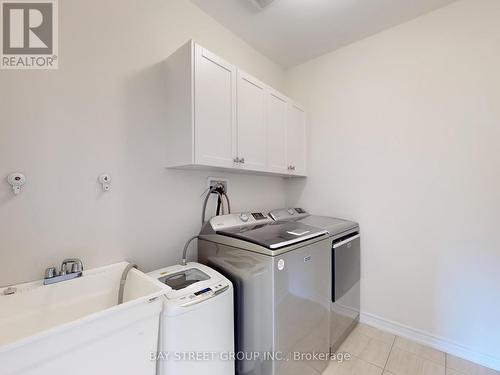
(345, 287)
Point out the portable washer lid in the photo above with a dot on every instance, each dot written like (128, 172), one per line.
(192, 279)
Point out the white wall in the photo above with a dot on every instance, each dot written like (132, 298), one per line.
(103, 111)
(405, 132)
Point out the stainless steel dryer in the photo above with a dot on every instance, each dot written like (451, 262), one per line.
(345, 266)
(282, 303)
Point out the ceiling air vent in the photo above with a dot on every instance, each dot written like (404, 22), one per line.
(261, 4)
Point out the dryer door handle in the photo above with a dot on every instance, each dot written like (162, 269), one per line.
(347, 240)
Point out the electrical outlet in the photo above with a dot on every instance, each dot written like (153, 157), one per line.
(212, 181)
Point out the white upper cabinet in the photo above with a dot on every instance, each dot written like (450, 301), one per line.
(296, 140)
(252, 134)
(221, 117)
(214, 110)
(276, 132)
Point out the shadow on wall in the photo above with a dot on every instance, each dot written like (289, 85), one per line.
(153, 190)
(6, 193)
(145, 98)
(295, 191)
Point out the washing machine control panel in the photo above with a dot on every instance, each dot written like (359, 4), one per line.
(205, 293)
(239, 220)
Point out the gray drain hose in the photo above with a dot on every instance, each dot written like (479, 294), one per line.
(184, 252)
(123, 280)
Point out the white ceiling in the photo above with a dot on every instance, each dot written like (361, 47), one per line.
(293, 31)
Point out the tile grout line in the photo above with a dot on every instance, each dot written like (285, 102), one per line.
(390, 352)
(446, 359)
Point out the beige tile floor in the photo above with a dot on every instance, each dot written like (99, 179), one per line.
(377, 352)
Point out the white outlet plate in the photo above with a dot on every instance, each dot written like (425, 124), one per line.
(211, 181)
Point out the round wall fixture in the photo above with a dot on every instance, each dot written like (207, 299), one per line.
(16, 180)
(105, 180)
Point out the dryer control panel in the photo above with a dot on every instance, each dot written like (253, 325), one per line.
(288, 214)
(239, 220)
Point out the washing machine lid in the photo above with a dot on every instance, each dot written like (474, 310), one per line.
(192, 279)
(276, 235)
(183, 278)
(333, 225)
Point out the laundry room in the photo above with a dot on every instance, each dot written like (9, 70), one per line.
(250, 187)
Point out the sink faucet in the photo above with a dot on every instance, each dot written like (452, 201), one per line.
(76, 266)
(71, 268)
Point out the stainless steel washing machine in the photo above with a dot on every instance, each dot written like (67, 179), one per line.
(280, 272)
(345, 268)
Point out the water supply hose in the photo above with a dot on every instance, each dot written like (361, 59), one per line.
(123, 280)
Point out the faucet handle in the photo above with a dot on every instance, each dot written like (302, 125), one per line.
(50, 273)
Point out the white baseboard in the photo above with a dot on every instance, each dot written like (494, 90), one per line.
(433, 341)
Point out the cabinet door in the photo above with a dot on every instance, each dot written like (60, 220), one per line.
(214, 110)
(296, 140)
(276, 133)
(252, 134)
